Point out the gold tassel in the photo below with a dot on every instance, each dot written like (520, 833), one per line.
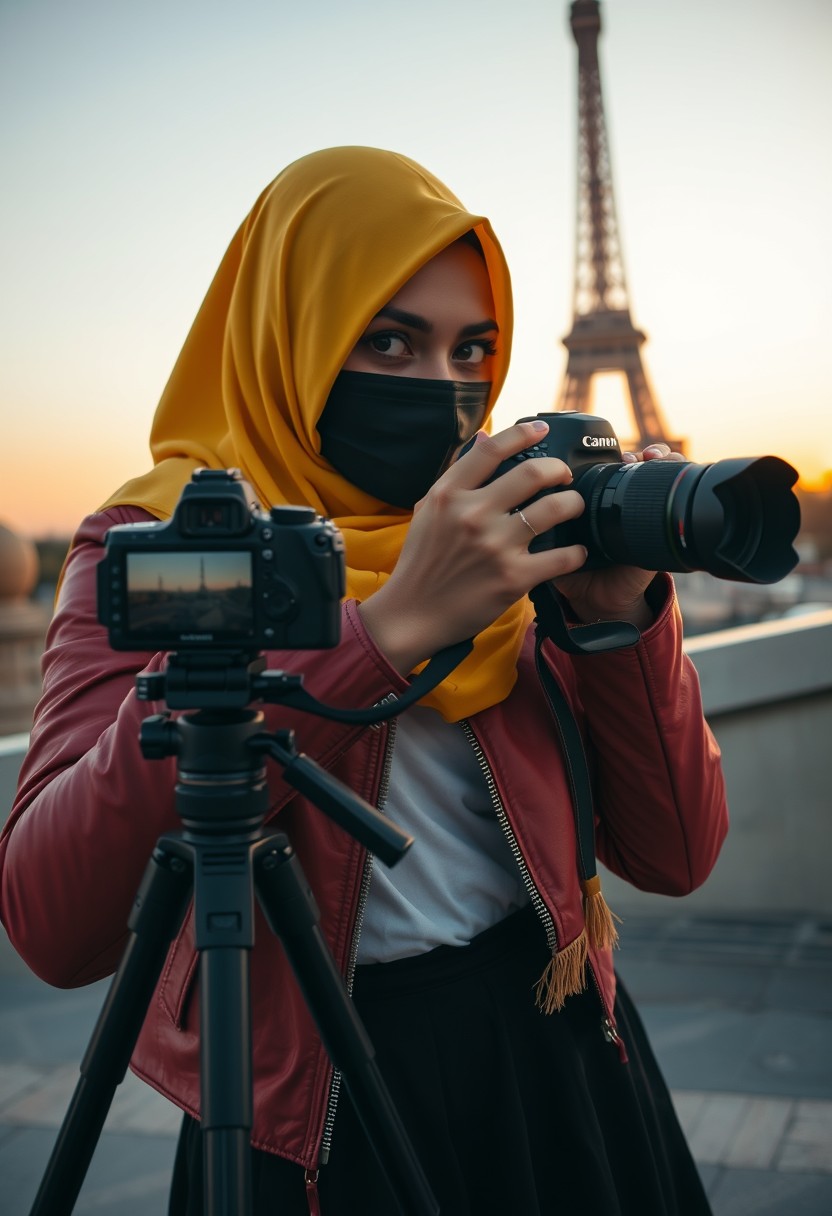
(564, 976)
(598, 918)
(565, 972)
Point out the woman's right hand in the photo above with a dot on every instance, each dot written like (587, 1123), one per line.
(466, 557)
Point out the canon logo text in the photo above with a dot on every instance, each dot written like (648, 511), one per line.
(599, 441)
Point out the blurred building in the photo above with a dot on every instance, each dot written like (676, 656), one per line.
(23, 624)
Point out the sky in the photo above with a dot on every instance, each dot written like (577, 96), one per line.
(135, 138)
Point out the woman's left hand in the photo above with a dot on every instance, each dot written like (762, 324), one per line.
(615, 593)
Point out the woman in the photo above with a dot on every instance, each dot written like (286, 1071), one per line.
(356, 334)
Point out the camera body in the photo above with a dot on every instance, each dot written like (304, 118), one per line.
(222, 574)
(735, 519)
(583, 442)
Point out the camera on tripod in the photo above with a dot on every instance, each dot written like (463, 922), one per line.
(735, 519)
(216, 583)
(221, 573)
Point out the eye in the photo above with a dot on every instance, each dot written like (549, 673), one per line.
(391, 345)
(473, 353)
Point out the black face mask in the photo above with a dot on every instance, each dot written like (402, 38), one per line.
(393, 435)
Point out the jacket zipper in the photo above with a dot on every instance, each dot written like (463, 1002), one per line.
(335, 1086)
(608, 1026)
(537, 899)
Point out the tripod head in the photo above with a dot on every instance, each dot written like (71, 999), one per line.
(221, 745)
(233, 679)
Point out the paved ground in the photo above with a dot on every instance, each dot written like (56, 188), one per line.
(738, 1011)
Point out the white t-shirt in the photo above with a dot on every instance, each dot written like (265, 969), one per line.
(459, 877)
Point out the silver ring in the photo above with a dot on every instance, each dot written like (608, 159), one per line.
(525, 521)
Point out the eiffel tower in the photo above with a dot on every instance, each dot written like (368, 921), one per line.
(603, 336)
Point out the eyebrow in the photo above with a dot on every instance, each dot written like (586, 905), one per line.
(414, 321)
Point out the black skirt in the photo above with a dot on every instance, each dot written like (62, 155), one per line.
(510, 1111)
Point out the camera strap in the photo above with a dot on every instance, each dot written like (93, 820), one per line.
(600, 929)
(577, 768)
(437, 669)
(576, 638)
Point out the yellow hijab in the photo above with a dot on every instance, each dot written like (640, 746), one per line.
(325, 246)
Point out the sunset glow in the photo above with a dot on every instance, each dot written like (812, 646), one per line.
(135, 140)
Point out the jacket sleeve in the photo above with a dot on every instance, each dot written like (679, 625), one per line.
(661, 814)
(90, 808)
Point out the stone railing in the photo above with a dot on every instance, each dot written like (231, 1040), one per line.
(767, 692)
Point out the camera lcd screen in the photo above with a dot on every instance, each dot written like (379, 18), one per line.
(193, 592)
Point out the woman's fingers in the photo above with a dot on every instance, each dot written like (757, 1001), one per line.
(655, 451)
(481, 461)
(486, 452)
(554, 563)
(553, 509)
(529, 476)
(466, 557)
(534, 478)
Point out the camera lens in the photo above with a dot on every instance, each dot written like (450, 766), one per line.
(735, 519)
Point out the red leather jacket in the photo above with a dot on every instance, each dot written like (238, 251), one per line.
(90, 809)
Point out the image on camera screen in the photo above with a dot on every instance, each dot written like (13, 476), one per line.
(202, 592)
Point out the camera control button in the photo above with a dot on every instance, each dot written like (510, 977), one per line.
(267, 555)
(292, 515)
(280, 601)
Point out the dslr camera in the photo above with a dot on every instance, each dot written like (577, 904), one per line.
(735, 519)
(222, 574)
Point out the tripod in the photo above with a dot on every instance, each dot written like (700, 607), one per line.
(224, 856)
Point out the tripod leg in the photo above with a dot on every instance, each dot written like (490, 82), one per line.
(290, 909)
(225, 1044)
(224, 924)
(157, 913)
